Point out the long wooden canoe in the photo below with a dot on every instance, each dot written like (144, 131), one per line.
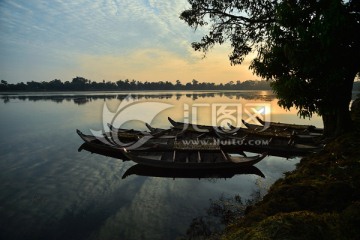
(238, 142)
(192, 159)
(104, 151)
(297, 127)
(103, 142)
(191, 126)
(253, 126)
(127, 134)
(238, 132)
(274, 146)
(155, 130)
(124, 130)
(299, 136)
(143, 170)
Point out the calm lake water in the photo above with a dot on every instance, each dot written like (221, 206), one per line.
(49, 190)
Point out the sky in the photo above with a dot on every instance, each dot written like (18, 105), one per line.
(42, 40)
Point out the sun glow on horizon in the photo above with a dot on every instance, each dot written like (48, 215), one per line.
(107, 41)
(155, 65)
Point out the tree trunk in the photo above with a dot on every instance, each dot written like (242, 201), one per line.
(329, 120)
(343, 119)
(339, 121)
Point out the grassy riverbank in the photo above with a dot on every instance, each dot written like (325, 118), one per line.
(318, 200)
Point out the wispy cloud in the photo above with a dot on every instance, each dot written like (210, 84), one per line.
(64, 31)
(93, 26)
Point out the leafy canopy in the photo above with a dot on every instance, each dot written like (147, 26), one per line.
(309, 49)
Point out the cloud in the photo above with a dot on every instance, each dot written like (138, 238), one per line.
(90, 26)
(146, 36)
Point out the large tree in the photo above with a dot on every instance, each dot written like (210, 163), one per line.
(309, 50)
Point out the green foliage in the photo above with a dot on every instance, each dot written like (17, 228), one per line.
(309, 50)
(313, 55)
(243, 31)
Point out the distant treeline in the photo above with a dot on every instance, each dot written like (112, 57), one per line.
(82, 84)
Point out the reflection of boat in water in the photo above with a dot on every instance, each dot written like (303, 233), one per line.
(142, 170)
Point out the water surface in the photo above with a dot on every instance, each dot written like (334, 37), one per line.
(49, 190)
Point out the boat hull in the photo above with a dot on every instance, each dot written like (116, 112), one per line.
(190, 160)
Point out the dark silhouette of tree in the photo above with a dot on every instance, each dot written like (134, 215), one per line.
(3, 85)
(308, 49)
(178, 84)
(83, 84)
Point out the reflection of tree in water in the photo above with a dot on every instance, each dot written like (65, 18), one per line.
(178, 96)
(6, 99)
(81, 99)
(221, 212)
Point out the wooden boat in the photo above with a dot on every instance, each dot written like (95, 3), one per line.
(178, 133)
(253, 126)
(123, 130)
(296, 127)
(148, 143)
(104, 151)
(302, 136)
(104, 142)
(154, 130)
(269, 134)
(274, 127)
(164, 133)
(190, 126)
(266, 133)
(183, 159)
(126, 134)
(240, 141)
(143, 170)
(273, 146)
(210, 131)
